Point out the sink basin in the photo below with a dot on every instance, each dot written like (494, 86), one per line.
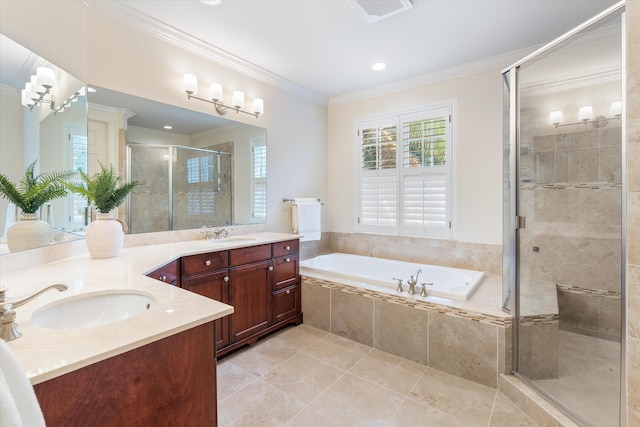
(92, 310)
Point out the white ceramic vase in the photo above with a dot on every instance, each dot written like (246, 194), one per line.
(104, 236)
(28, 233)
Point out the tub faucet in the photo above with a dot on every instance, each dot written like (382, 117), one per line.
(399, 288)
(412, 282)
(8, 329)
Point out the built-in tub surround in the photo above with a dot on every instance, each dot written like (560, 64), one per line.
(49, 353)
(471, 339)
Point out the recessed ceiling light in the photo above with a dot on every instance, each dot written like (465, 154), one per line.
(211, 2)
(91, 90)
(168, 127)
(379, 66)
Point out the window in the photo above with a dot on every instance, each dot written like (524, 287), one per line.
(200, 173)
(405, 173)
(259, 180)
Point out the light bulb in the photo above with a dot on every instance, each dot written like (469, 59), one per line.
(258, 106)
(190, 84)
(238, 99)
(555, 118)
(45, 77)
(585, 113)
(215, 92)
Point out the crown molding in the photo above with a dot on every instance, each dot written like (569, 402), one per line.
(169, 34)
(457, 71)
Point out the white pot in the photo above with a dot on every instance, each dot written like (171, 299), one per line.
(28, 233)
(104, 236)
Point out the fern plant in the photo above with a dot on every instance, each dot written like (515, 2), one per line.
(104, 188)
(33, 191)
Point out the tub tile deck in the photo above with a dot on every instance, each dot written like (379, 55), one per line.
(320, 379)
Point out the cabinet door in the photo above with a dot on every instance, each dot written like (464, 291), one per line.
(286, 303)
(214, 286)
(250, 296)
(168, 273)
(285, 271)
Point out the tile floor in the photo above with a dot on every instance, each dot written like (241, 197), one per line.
(303, 376)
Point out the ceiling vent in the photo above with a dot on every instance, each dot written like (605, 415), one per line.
(377, 10)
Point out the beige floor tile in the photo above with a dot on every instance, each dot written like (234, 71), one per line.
(311, 418)
(337, 351)
(506, 414)
(262, 356)
(303, 377)
(299, 337)
(456, 396)
(415, 414)
(387, 370)
(231, 378)
(258, 404)
(352, 401)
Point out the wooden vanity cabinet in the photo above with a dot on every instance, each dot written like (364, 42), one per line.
(168, 273)
(261, 282)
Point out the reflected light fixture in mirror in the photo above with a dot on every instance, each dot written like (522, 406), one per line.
(190, 86)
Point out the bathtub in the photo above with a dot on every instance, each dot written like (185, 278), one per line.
(377, 274)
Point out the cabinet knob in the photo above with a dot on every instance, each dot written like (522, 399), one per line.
(207, 262)
(226, 278)
(288, 248)
(270, 268)
(288, 291)
(163, 278)
(288, 259)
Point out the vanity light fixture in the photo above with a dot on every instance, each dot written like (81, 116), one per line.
(37, 90)
(190, 86)
(585, 115)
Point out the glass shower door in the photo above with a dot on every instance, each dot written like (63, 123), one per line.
(566, 170)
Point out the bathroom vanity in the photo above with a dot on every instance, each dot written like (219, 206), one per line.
(159, 367)
(261, 282)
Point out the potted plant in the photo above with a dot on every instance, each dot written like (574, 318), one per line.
(106, 191)
(29, 195)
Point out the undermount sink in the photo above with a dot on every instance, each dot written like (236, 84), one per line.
(90, 310)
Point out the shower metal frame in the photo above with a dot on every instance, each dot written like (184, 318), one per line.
(170, 180)
(511, 77)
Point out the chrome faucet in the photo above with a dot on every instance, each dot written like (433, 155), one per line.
(412, 282)
(399, 288)
(206, 230)
(218, 231)
(8, 329)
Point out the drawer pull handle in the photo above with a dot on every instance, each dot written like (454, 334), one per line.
(288, 248)
(288, 259)
(288, 291)
(207, 262)
(270, 268)
(226, 278)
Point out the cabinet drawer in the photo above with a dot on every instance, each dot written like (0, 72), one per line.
(168, 273)
(288, 247)
(249, 255)
(193, 265)
(285, 271)
(286, 303)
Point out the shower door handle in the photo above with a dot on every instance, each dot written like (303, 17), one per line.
(521, 222)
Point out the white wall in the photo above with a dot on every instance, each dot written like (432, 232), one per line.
(114, 55)
(478, 152)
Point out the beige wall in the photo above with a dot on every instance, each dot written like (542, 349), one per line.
(478, 152)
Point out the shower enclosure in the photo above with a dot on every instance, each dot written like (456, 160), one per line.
(563, 259)
(180, 188)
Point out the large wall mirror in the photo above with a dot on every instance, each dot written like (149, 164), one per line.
(53, 134)
(194, 169)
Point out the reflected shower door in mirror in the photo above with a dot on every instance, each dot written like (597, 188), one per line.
(196, 169)
(53, 133)
(191, 186)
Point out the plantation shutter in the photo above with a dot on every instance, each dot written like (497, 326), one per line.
(259, 182)
(405, 174)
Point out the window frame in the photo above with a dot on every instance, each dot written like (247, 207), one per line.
(402, 174)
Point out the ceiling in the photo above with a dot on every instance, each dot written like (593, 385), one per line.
(326, 48)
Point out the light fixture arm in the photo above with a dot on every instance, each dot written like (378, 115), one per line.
(220, 107)
(42, 100)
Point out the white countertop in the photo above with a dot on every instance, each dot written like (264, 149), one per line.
(48, 353)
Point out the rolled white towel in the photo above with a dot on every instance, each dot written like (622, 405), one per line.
(18, 403)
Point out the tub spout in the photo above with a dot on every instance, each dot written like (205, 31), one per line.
(412, 282)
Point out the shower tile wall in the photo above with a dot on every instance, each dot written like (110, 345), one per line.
(149, 200)
(571, 199)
